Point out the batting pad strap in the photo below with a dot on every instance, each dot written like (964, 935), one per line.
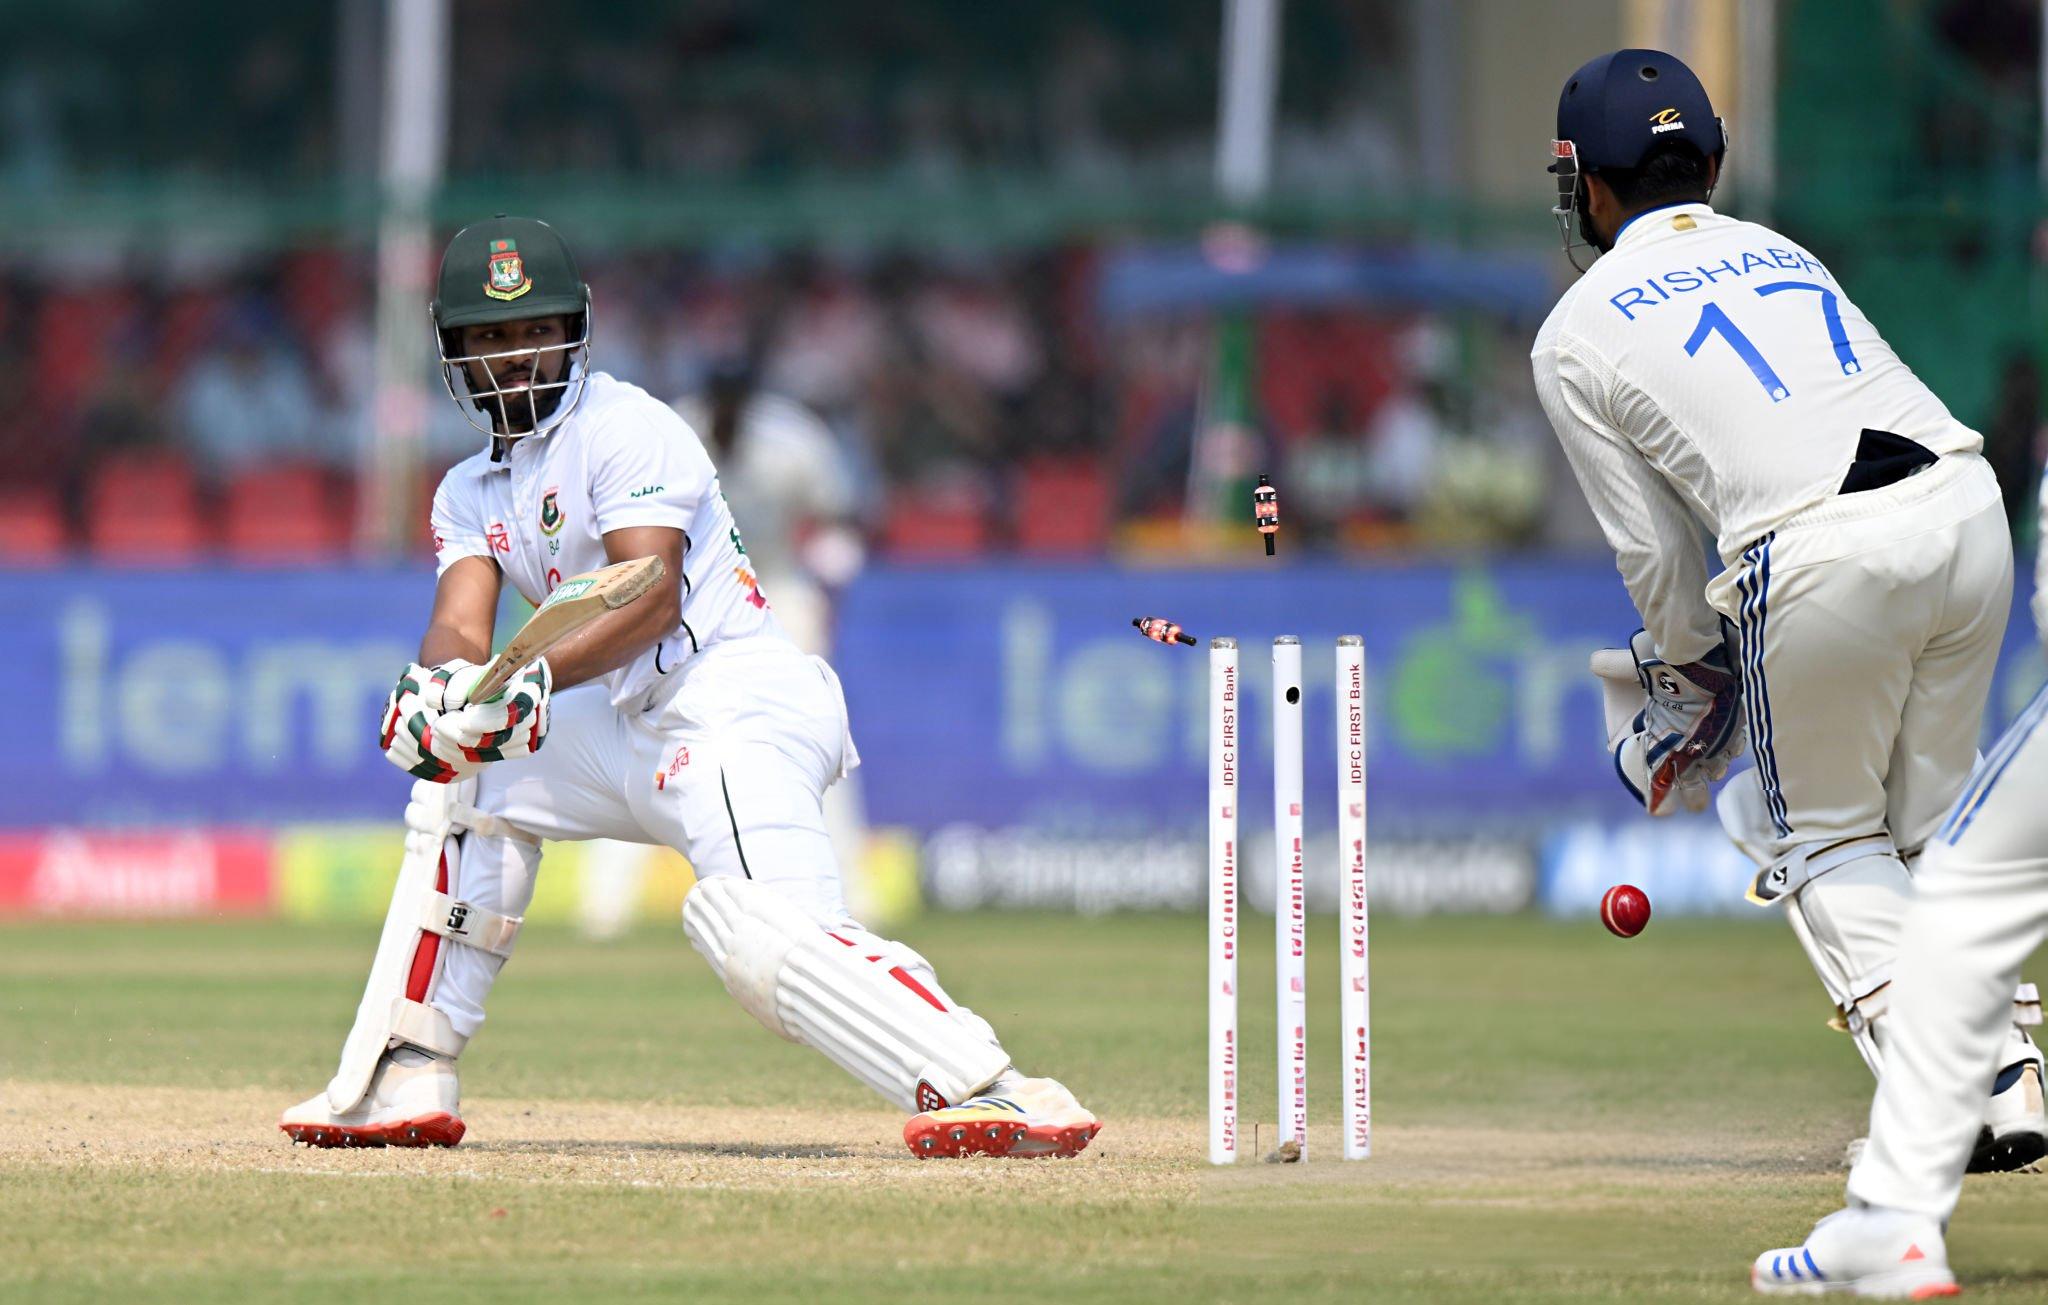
(430, 808)
(1803, 865)
(417, 1024)
(2026, 1005)
(472, 926)
(1860, 1015)
(483, 822)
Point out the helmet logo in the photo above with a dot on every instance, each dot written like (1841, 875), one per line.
(1664, 120)
(508, 272)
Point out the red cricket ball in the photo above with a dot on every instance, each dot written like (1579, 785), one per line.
(1625, 910)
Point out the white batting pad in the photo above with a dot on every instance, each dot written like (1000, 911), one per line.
(418, 907)
(1850, 918)
(1844, 900)
(855, 998)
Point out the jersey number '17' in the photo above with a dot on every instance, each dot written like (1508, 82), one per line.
(1713, 321)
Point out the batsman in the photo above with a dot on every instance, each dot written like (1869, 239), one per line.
(684, 718)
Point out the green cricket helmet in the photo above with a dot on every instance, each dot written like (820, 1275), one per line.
(510, 269)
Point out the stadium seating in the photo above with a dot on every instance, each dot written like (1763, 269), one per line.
(144, 507)
(928, 525)
(1061, 507)
(287, 513)
(36, 533)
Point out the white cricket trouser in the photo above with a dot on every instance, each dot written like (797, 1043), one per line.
(730, 772)
(1980, 909)
(1870, 627)
(803, 609)
(613, 871)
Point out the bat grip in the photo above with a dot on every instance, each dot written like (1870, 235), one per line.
(494, 680)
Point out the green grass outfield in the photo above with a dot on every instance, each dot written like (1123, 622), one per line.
(1561, 1116)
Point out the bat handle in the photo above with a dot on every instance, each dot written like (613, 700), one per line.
(496, 675)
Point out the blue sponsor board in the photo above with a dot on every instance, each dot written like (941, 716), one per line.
(214, 696)
(1683, 863)
(999, 696)
(1010, 695)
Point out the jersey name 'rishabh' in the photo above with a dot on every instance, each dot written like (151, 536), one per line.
(1711, 371)
(623, 458)
(1662, 287)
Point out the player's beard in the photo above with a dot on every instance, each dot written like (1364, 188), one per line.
(519, 412)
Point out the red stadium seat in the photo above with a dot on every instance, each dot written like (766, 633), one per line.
(935, 525)
(74, 341)
(36, 533)
(187, 325)
(1062, 507)
(287, 513)
(145, 508)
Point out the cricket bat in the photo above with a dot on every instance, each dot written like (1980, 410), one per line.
(575, 603)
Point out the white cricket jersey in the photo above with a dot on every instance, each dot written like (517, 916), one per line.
(623, 458)
(1711, 371)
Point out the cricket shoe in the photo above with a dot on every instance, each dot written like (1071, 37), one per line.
(2015, 1132)
(1015, 1117)
(414, 1100)
(1872, 1253)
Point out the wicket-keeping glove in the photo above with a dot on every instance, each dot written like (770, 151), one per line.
(1672, 728)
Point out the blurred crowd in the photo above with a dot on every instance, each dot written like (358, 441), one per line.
(977, 403)
(214, 392)
(713, 91)
(202, 396)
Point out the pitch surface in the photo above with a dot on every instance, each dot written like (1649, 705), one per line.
(1561, 1117)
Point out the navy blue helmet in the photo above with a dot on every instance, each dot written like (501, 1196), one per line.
(1614, 111)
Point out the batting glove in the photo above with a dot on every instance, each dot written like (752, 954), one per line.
(513, 724)
(411, 738)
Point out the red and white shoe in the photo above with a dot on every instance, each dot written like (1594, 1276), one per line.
(1871, 1253)
(414, 1100)
(1014, 1117)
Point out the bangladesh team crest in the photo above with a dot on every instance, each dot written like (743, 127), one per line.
(508, 271)
(550, 513)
